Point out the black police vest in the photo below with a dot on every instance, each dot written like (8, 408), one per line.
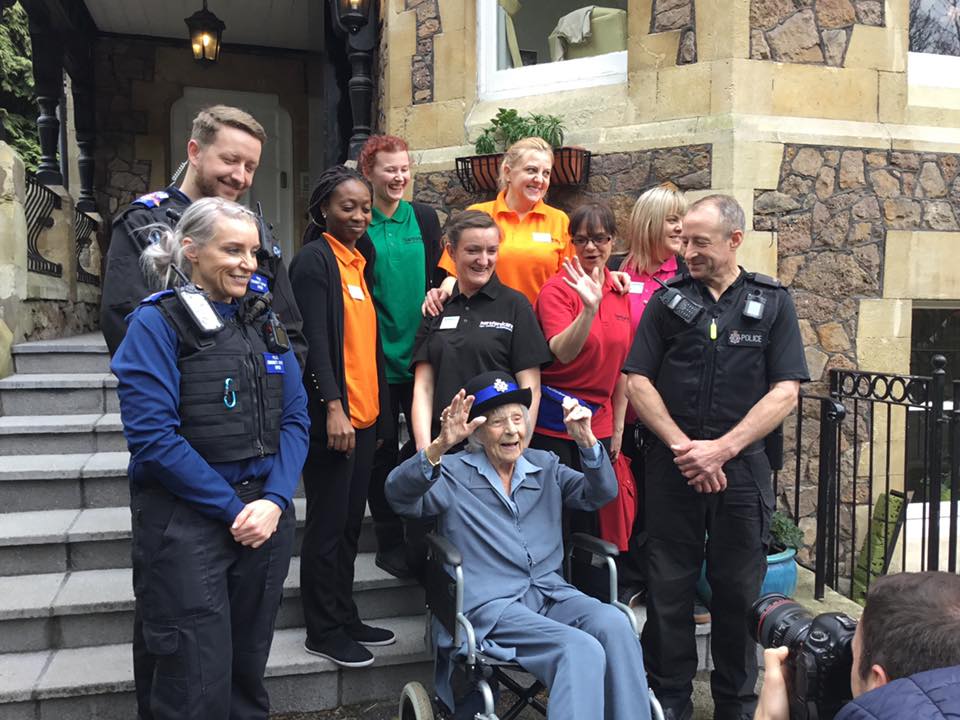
(230, 406)
(708, 385)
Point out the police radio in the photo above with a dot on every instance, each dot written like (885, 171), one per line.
(274, 334)
(678, 303)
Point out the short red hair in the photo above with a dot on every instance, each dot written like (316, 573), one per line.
(378, 144)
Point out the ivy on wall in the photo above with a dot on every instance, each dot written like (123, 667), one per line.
(18, 109)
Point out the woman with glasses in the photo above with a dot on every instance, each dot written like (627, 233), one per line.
(587, 326)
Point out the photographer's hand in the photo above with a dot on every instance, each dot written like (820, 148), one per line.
(774, 703)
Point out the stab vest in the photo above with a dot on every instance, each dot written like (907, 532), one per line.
(709, 385)
(230, 401)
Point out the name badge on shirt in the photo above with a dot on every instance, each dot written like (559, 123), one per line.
(274, 364)
(450, 322)
(356, 292)
(542, 237)
(636, 287)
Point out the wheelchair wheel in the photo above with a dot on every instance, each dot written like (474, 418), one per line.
(415, 703)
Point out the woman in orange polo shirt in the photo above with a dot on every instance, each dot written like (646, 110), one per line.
(345, 382)
(536, 236)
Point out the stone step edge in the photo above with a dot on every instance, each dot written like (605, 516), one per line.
(67, 466)
(69, 532)
(92, 342)
(287, 658)
(58, 381)
(371, 578)
(60, 424)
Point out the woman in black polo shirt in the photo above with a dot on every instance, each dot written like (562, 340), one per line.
(484, 326)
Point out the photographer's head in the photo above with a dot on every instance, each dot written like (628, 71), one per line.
(910, 624)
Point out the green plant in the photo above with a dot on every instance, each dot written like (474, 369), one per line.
(18, 109)
(508, 126)
(785, 532)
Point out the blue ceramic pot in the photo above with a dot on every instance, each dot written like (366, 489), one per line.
(781, 576)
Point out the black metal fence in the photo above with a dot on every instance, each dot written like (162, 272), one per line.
(85, 228)
(878, 461)
(41, 201)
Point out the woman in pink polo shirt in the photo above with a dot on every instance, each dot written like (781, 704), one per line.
(653, 248)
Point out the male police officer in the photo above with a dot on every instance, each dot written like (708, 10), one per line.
(223, 153)
(716, 366)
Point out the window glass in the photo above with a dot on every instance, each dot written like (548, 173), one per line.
(535, 32)
(935, 27)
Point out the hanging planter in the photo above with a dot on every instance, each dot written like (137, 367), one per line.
(481, 172)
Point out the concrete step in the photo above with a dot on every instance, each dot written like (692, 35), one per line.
(57, 541)
(95, 607)
(63, 482)
(97, 682)
(49, 434)
(52, 393)
(79, 354)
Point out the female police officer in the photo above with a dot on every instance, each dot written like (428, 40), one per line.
(214, 413)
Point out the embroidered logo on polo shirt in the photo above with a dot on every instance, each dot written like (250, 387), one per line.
(745, 339)
(496, 325)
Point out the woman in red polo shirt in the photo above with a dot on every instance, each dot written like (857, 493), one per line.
(587, 325)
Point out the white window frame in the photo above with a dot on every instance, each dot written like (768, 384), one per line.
(933, 80)
(541, 79)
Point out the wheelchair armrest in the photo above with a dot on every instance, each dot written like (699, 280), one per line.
(594, 545)
(445, 550)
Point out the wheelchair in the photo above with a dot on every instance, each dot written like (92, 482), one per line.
(589, 566)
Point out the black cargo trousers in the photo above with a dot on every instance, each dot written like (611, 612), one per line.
(205, 609)
(732, 530)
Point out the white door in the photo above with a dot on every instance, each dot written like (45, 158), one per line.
(273, 183)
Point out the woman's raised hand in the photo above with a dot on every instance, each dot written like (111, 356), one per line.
(454, 425)
(589, 286)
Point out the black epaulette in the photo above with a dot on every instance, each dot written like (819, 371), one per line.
(761, 279)
(677, 279)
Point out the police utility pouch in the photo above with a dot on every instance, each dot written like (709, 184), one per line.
(678, 303)
(198, 307)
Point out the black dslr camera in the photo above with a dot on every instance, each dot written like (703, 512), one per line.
(818, 666)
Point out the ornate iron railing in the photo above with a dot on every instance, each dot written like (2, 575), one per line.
(863, 478)
(41, 201)
(85, 233)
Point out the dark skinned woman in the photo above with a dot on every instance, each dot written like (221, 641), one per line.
(331, 278)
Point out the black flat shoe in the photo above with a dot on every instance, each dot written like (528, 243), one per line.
(370, 636)
(341, 650)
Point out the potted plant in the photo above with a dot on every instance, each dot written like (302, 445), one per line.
(785, 539)
(481, 171)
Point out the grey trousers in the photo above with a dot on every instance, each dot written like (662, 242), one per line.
(586, 654)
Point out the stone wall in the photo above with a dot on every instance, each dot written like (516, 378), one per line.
(831, 210)
(677, 15)
(808, 31)
(421, 67)
(615, 178)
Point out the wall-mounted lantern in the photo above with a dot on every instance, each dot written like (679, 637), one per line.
(353, 14)
(206, 30)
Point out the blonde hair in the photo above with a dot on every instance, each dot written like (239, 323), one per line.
(209, 120)
(513, 157)
(199, 223)
(644, 237)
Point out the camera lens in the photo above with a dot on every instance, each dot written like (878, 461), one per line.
(779, 621)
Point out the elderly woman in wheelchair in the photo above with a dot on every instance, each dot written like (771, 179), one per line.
(499, 506)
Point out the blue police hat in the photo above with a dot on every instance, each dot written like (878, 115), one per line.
(493, 389)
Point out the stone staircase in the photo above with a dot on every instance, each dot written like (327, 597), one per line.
(66, 597)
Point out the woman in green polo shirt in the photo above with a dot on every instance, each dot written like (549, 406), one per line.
(406, 237)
